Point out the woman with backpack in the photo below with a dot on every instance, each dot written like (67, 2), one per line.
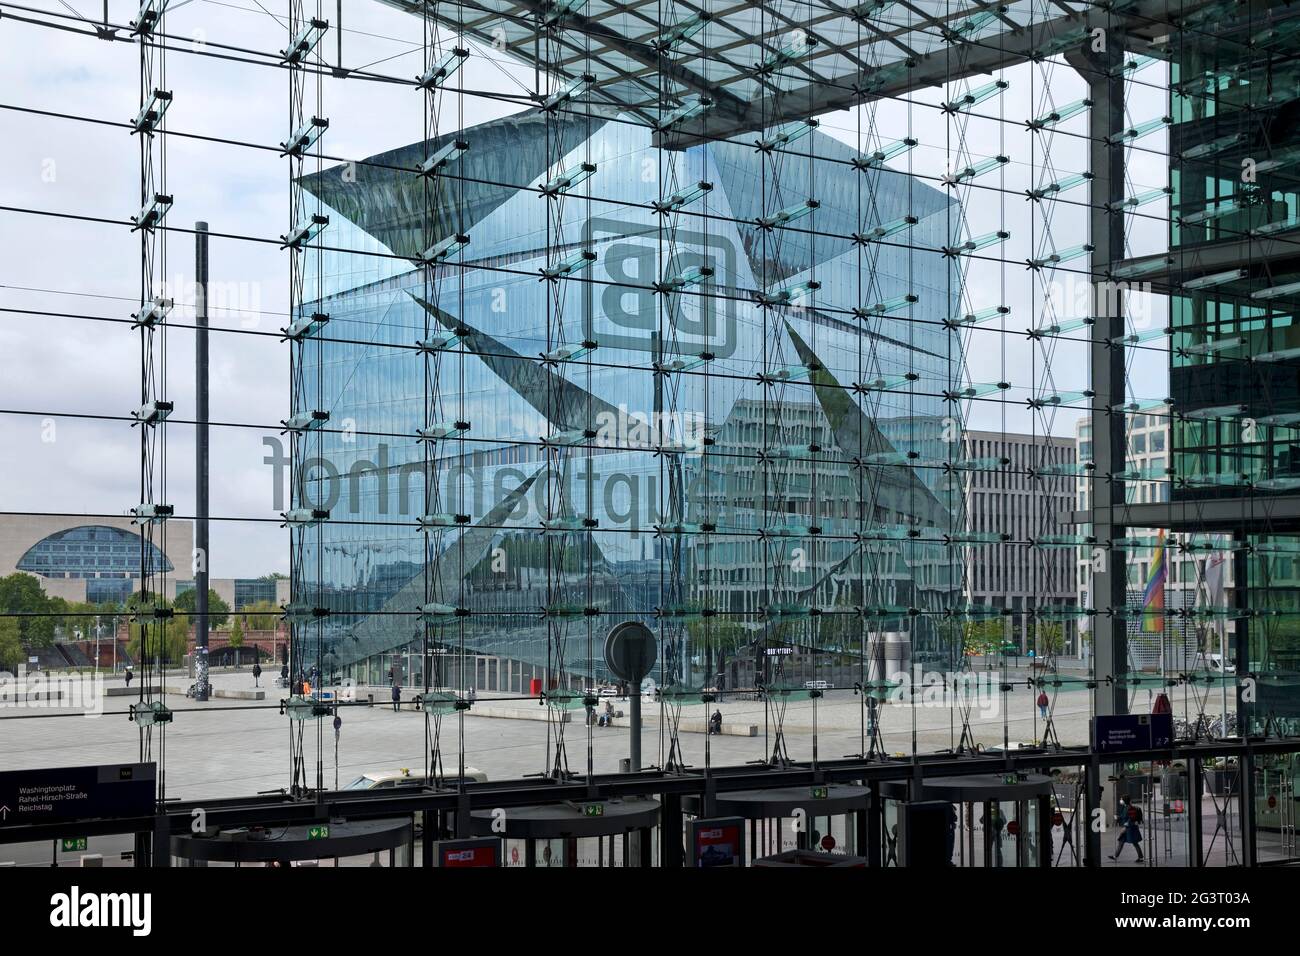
(1130, 832)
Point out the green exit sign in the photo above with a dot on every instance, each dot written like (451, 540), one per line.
(820, 793)
(594, 809)
(75, 845)
(318, 833)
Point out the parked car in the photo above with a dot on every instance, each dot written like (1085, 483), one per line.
(1215, 664)
(386, 779)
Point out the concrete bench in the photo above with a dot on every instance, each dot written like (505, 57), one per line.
(222, 692)
(507, 712)
(729, 728)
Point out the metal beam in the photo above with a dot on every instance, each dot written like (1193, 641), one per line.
(1145, 18)
(201, 523)
(1261, 256)
(1110, 446)
(1277, 514)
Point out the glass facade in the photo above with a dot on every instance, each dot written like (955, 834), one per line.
(1235, 175)
(763, 325)
(732, 463)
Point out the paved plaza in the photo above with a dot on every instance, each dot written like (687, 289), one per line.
(236, 747)
(230, 747)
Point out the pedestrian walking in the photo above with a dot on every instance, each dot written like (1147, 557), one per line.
(1043, 703)
(1130, 830)
(397, 697)
(994, 823)
(257, 673)
(128, 675)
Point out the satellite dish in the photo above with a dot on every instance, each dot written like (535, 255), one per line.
(631, 650)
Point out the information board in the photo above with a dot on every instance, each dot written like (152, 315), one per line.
(60, 794)
(716, 842)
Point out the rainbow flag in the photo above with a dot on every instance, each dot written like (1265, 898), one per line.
(1153, 602)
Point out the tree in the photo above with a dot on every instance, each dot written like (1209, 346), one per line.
(22, 594)
(236, 639)
(983, 637)
(218, 610)
(79, 620)
(1048, 638)
(11, 645)
(174, 631)
(724, 638)
(261, 615)
(175, 641)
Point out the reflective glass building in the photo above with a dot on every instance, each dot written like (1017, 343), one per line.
(663, 404)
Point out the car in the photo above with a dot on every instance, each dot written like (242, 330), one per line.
(1214, 664)
(387, 779)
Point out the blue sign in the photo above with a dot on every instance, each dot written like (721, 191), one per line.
(64, 794)
(1120, 733)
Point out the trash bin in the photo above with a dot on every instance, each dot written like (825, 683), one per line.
(535, 687)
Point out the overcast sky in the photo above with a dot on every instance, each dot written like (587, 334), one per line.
(55, 366)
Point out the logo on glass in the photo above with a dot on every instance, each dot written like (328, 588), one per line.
(628, 313)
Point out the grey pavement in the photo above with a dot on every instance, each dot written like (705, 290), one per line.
(226, 747)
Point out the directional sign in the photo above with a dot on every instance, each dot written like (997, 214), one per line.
(320, 832)
(594, 809)
(1120, 733)
(75, 845)
(820, 793)
(59, 794)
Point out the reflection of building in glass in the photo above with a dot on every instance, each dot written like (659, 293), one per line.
(793, 489)
(1231, 272)
(1193, 579)
(1015, 501)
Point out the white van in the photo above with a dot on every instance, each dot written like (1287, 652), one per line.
(1214, 664)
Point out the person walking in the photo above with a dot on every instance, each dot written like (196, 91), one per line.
(397, 697)
(128, 675)
(257, 674)
(1130, 830)
(994, 823)
(950, 839)
(1043, 703)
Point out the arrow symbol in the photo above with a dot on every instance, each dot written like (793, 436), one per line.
(4, 813)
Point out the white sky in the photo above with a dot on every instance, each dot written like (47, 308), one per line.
(65, 365)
